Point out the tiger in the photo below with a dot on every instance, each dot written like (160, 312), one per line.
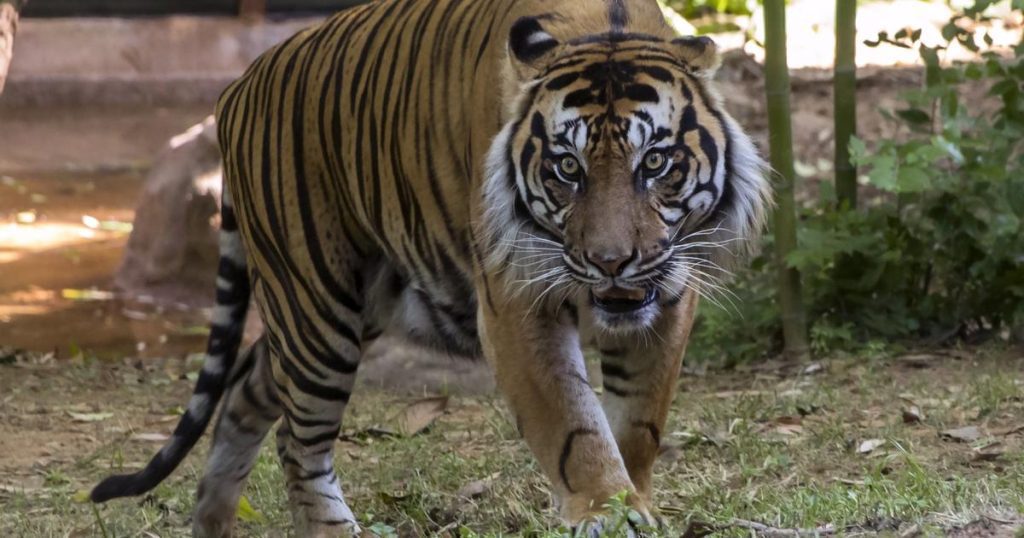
(510, 179)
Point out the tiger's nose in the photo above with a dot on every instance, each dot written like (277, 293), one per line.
(611, 264)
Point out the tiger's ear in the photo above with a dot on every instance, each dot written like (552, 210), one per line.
(529, 45)
(700, 53)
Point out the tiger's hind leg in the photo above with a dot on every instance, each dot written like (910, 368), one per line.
(250, 409)
(305, 445)
(314, 353)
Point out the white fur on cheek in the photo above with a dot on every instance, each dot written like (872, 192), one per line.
(499, 229)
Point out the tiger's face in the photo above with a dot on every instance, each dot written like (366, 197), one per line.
(622, 173)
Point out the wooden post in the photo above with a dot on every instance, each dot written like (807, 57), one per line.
(252, 9)
(8, 27)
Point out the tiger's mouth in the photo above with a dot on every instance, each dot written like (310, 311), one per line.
(624, 309)
(616, 300)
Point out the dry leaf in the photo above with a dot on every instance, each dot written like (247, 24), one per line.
(669, 453)
(813, 368)
(967, 434)
(788, 425)
(869, 445)
(739, 393)
(150, 437)
(419, 415)
(477, 488)
(789, 429)
(912, 414)
(89, 417)
(987, 455)
(1010, 431)
(921, 360)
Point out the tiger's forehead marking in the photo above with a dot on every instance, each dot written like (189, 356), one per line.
(618, 15)
(621, 90)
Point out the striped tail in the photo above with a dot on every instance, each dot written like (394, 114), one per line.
(225, 336)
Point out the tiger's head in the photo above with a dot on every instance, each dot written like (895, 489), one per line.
(617, 177)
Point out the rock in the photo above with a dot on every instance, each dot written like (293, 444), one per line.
(172, 252)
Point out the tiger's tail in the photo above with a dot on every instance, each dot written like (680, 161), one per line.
(227, 327)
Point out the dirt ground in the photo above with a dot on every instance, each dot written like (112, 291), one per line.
(912, 445)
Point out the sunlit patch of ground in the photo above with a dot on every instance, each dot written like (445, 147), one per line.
(61, 240)
(920, 444)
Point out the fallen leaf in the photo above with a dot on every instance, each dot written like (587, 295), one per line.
(871, 444)
(89, 417)
(967, 434)
(669, 453)
(86, 295)
(150, 437)
(477, 488)
(419, 415)
(813, 368)
(1010, 431)
(788, 425)
(912, 414)
(920, 360)
(789, 429)
(739, 393)
(699, 529)
(247, 513)
(988, 455)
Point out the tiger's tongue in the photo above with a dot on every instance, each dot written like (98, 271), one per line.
(621, 294)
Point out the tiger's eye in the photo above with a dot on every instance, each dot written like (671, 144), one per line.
(569, 167)
(654, 160)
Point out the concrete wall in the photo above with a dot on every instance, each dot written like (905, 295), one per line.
(166, 60)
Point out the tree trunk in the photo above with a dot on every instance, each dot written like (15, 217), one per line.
(777, 89)
(845, 92)
(8, 27)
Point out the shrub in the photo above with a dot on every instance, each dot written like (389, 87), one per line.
(936, 251)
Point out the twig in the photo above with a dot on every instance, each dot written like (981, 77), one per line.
(766, 530)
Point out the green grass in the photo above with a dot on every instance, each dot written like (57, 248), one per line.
(741, 446)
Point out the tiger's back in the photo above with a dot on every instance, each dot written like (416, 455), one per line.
(374, 126)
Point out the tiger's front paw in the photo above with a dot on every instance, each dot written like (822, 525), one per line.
(631, 525)
(623, 516)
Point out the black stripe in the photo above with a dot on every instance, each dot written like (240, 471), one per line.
(618, 15)
(613, 370)
(651, 428)
(567, 451)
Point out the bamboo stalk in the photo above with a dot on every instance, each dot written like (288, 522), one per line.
(845, 94)
(777, 89)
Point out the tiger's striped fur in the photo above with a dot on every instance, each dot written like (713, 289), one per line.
(488, 176)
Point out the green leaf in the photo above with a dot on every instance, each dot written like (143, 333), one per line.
(883, 173)
(914, 116)
(913, 179)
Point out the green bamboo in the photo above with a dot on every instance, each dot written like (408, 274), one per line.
(845, 94)
(794, 322)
